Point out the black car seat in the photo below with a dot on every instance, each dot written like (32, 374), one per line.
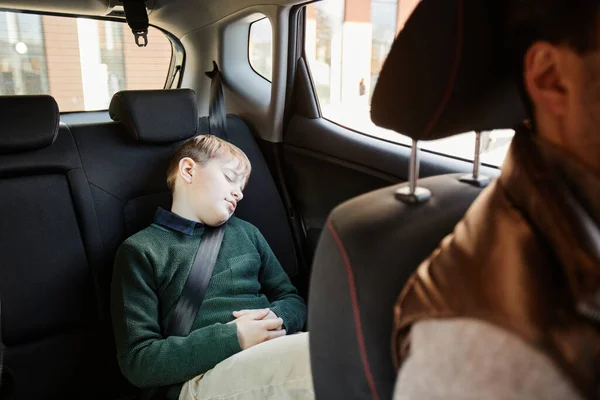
(444, 75)
(69, 195)
(56, 344)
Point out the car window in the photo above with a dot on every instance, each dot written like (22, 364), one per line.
(346, 44)
(260, 48)
(80, 62)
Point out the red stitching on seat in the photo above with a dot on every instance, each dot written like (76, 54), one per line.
(453, 74)
(356, 311)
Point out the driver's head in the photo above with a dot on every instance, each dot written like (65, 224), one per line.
(556, 52)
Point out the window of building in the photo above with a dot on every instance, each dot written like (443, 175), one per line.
(260, 48)
(346, 43)
(80, 62)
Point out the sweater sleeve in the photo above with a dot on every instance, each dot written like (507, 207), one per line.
(469, 359)
(146, 358)
(285, 301)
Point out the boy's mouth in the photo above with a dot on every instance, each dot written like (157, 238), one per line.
(232, 205)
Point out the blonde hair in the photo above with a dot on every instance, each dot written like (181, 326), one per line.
(202, 149)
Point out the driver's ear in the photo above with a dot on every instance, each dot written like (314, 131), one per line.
(186, 169)
(545, 78)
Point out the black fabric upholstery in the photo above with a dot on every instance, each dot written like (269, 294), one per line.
(447, 73)
(119, 171)
(72, 365)
(38, 255)
(140, 210)
(371, 246)
(50, 252)
(20, 130)
(156, 116)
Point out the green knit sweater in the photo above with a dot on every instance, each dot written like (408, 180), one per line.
(151, 268)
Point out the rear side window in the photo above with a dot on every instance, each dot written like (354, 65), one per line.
(260, 48)
(346, 44)
(80, 62)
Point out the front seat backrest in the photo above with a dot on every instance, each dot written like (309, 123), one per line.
(443, 76)
(370, 247)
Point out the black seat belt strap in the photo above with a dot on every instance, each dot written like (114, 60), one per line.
(137, 19)
(196, 284)
(217, 116)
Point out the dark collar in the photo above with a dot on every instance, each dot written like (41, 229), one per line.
(175, 222)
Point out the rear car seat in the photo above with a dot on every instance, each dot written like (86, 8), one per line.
(68, 197)
(50, 258)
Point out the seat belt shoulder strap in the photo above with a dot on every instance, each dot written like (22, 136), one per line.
(194, 289)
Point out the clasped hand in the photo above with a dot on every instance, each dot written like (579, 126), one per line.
(257, 326)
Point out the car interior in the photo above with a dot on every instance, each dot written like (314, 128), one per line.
(359, 120)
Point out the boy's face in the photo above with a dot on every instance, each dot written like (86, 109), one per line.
(215, 190)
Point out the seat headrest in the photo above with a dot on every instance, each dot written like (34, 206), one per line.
(448, 72)
(28, 123)
(156, 116)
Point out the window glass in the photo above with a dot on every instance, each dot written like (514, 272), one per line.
(346, 43)
(80, 62)
(260, 48)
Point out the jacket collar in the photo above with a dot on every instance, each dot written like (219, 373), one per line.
(558, 195)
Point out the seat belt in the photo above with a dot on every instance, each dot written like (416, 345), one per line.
(192, 295)
(137, 19)
(196, 284)
(217, 116)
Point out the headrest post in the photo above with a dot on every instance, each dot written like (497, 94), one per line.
(475, 179)
(413, 169)
(477, 157)
(413, 194)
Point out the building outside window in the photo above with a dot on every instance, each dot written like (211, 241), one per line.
(81, 62)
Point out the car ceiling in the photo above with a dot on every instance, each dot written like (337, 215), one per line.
(176, 16)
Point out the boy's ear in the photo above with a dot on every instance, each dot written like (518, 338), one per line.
(186, 169)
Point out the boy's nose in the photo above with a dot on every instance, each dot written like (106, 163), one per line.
(238, 195)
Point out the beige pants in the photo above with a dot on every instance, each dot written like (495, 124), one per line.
(277, 369)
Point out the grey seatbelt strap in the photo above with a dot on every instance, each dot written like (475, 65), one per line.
(192, 295)
(217, 116)
(196, 284)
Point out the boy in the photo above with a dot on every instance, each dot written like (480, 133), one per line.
(249, 299)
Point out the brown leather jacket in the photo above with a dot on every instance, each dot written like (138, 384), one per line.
(526, 257)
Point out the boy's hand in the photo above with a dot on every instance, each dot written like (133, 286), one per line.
(270, 315)
(253, 327)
